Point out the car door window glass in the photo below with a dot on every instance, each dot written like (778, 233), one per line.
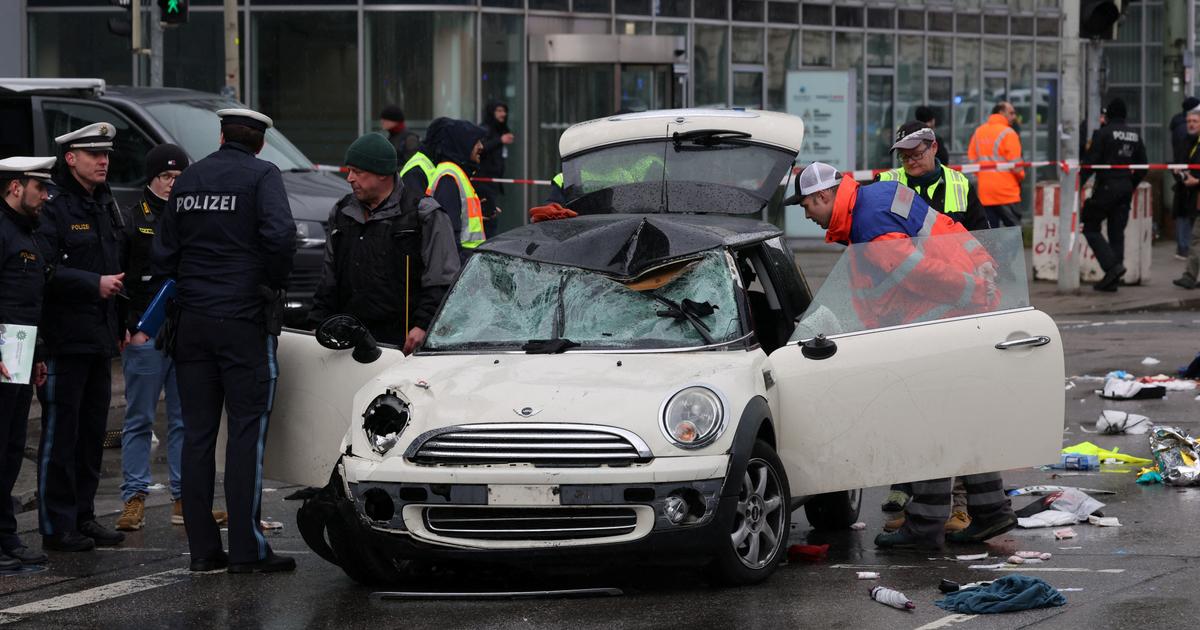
(904, 281)
(127, 163)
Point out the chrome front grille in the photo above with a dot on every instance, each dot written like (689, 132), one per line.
(530, 523)
(541, 444)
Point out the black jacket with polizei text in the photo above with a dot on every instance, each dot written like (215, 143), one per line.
(225, 234)
(84, 239)
(1116, 143)
(23, 268)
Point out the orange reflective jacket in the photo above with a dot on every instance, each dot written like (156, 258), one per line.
(995, 141)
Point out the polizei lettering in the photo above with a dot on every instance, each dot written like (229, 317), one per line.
(1125, 136)
(206, 203)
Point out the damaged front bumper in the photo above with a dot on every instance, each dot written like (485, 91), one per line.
(469, 521)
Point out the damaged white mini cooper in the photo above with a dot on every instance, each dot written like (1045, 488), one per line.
(654, 378)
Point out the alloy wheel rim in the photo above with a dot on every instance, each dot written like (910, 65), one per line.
(758, 522)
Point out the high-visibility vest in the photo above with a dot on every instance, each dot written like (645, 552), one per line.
(957, 186)
(472, 235)
(421, 161)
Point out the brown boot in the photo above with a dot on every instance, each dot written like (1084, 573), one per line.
(957, 522)
(133, 516)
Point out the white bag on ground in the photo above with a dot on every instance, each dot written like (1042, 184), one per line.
(1076, 502)
(1049, 518)
(1113, 422)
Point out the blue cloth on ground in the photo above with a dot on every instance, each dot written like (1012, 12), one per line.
(1007, 594)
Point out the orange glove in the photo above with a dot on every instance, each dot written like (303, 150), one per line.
(550, 212)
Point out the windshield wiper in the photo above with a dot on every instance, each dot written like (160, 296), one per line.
(557, 344)
(689, 310)
(708, 137)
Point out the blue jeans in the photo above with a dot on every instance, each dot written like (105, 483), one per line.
(1183, 234)
(147, 372)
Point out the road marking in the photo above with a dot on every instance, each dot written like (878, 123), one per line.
(875, 566)
(1024, 569)
(947, 621)
(94, 595)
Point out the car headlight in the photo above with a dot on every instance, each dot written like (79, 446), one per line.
(384, 420)
(310, 234)
(693, 417)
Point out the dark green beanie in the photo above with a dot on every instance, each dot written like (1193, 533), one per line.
(372, 153)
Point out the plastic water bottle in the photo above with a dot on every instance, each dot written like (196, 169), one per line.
(892, 597)
(1075, 461)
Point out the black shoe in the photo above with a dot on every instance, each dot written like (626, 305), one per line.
(271, 564)
(103, 536)
(1111, 279)
(70, 541)
(9, 563)
(900, 539)
(1184, 282)
(27, 555)
(215, 563)
(982, 529)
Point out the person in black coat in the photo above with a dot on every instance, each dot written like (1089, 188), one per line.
(1182, 145)
(493, 158)
(928, 115)
(1114, 143)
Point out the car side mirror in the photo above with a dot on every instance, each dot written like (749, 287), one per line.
(339, 332)
(818, 348)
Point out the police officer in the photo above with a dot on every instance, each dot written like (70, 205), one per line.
(390, 254)
(1114, 143)
(23, 269)
(227, 238)
(944, 189)
(83, 331)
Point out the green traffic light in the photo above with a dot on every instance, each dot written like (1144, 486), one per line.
(172, 6)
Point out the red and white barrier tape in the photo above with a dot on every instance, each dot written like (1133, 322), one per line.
(328, 168)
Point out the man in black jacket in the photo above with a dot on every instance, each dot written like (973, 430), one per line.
(227, 238)
(492, 159)
(1183, 145)
(391, 119)
(1114, 143)
(459, 146)
(83, 331)
(23, 271)
(390, 251)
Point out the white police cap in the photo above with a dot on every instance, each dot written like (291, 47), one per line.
(21, 166)
(94, 137)
(247, 117)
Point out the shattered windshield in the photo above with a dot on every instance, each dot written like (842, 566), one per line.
(502, 302)
(695, 174)
(904, 281)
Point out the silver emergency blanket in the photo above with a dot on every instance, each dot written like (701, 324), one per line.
(1177, 455)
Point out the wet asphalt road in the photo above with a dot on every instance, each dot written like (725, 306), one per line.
(1144, 574)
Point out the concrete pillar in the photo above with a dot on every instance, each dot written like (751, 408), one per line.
(1070, 109)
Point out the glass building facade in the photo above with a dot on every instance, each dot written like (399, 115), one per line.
(323, 69)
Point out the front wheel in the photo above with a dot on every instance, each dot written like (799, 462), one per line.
(759, 530)
(834, 510)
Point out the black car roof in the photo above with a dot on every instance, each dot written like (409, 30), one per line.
(144, 95)
(627, 245)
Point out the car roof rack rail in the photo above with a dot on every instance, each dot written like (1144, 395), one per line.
(22, 85)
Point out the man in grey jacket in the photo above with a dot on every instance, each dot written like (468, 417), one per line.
(390, 251)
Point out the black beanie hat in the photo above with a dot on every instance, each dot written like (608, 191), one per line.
(165, 157)
(392, 113)
(1190, 103)
(1115, 109)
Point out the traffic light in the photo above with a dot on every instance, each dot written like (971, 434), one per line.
(121, 26)
(1098, 18)
(173, 11)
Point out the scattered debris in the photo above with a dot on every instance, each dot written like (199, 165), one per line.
(891, 597)
(1170, 382)
(1177, 455)
(1150, 361)
(1064, 533)
(1116, 389)
(1070, 590)
(868, 575)
(1043, 490)
(1069, 548)
(1040, 555)
(946, 586)
(269, 524)
(1075, 461)
(1104, 521)
(1019, 560)
(991, 567)
(1114, 422)
(1070, 385)
(807, 552)
(1087, 448)
(1007, 594)
(1149, 476)
(973, 556)
(859, 526)
(1047, 518)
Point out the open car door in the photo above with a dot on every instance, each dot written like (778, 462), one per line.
(312, 408)
(921, 376)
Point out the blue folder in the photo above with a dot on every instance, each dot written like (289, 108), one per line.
(152, 318)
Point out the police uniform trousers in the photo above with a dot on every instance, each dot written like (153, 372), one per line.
(14, 417)
(229, 364)
(1111, 206)
(75, 402)
(927, 511)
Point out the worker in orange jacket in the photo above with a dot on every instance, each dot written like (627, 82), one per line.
(920, 265)
(997, 141)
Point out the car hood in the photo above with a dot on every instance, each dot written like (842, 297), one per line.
(619, 390)
(312, 194)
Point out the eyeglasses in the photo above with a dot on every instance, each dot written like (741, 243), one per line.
(167, 176)
(914, 157)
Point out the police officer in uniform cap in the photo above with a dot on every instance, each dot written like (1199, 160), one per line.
(1114, 143)
(23, 269)
(83, 331)
(227, 238)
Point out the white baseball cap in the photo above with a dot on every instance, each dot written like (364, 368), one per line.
(815, 177)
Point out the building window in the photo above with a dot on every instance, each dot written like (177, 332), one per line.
(881, 18)
(674, 8)
(747, 45)
(633, 7)
(783, 13)
(710, 65)
(817, 49)
(634, 27)
(941, 21)
(849, 16)
(747, 10)
(593, 6)
(502, 78)
(967, 109)
(783, 54)
(305, 76)
(817, 14)
(880, 50)
(107, 56)
(910, 77)
(712, 9)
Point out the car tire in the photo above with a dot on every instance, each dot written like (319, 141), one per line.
(359, 563)
(834, 510)
(747, 554)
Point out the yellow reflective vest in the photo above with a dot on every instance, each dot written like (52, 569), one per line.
(472, 234)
